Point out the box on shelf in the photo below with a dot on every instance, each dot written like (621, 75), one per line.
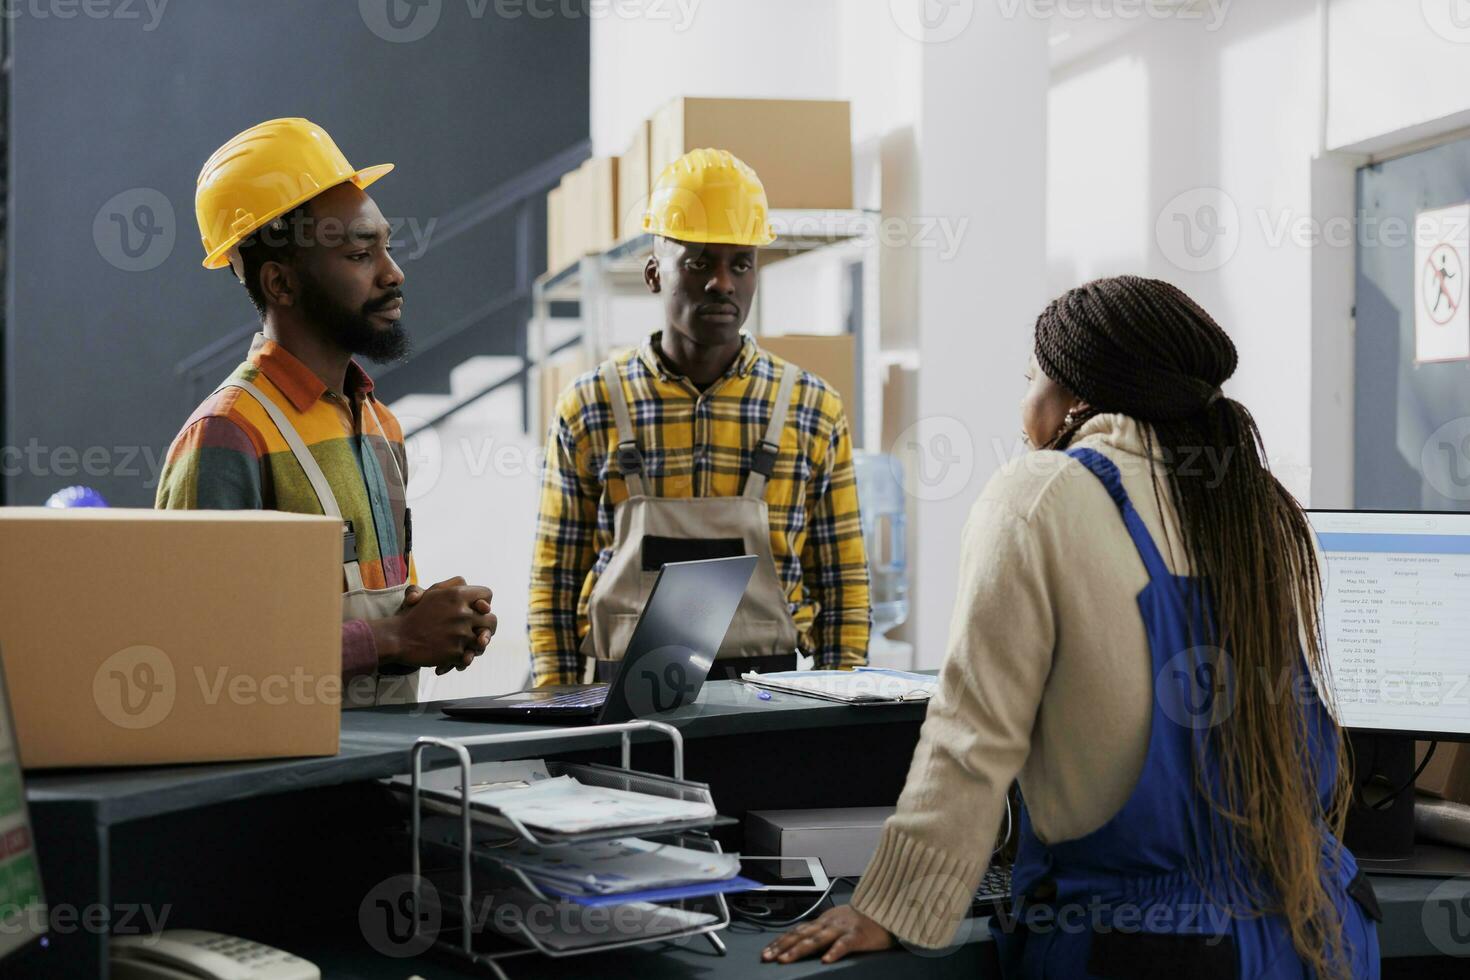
(801, 148)
(135, 637)
(635, 180)
(1448, 774)
(588, 203)
(574, 201)
(833, 358)
(556, 248)
(602, 203)
(553, 377)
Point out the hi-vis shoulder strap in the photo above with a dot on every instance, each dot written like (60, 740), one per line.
(629, 457)
(763, 461)
(314, 476)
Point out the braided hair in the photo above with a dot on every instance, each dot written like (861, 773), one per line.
(1142, 348)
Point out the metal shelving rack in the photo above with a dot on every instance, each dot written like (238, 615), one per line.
(595, 280)
(623, 777)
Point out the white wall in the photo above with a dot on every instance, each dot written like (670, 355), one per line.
(747, 49)
(981, 139)
(1396, 71)
(1150, 133)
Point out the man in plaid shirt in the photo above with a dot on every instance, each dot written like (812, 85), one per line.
(700, 394)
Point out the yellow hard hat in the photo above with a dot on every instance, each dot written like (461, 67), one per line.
(263, 173)
(710, 196)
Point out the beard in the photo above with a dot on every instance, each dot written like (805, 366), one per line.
(354, 330)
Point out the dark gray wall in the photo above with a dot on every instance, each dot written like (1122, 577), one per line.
(133, 101)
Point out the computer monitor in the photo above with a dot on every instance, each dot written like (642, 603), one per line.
(1396, 618)
(23, 914)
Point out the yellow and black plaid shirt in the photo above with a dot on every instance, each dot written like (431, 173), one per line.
(700, 445)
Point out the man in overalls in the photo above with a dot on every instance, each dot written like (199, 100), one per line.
(296, 427)
(699, 445)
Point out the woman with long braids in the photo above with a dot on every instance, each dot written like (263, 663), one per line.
(1137, 641)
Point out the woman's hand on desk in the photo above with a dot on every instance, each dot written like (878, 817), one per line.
(839, 931)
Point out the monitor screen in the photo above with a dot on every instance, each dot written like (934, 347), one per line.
(1396, 616)
(22, 911)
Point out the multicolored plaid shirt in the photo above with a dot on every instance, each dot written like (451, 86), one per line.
(231, 456)
(700, 445)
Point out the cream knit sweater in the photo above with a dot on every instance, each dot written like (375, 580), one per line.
(1047, 679)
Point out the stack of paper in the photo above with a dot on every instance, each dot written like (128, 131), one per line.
(565, 926)
(865, 685)
(617, 866)
(561, 805)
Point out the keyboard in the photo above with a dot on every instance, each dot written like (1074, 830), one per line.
(994, 893)
(573, 699)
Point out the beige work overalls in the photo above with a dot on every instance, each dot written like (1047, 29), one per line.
(690, 527)
(358, 602)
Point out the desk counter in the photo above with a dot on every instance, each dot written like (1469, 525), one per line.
(285, 851)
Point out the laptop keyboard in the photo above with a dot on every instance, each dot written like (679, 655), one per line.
(573, 699)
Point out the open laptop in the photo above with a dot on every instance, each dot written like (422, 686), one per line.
(667, 659)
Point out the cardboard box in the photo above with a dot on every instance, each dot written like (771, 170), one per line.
(601, 175)
(832, 358)
(1448, 774)
(845, 839)
(802, 149)
(588, 203)
(556, 248)
(137, 637)
(553, 377)
(574, 233)
(635, 180)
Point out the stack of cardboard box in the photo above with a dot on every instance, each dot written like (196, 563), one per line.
(801, 148)
(582, 213)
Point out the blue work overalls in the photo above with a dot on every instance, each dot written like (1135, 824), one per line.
(1142, 896)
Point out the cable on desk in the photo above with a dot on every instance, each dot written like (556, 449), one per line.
(763, 918)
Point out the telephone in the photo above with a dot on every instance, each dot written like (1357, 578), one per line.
(193, 954)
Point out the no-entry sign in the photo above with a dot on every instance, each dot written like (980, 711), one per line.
(1441, 264)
